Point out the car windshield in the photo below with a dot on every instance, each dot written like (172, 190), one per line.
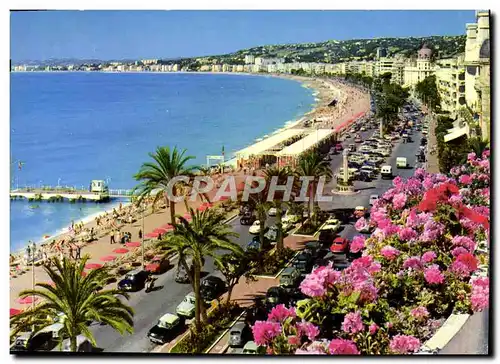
(131, 277)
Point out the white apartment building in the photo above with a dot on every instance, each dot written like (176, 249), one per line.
(249, 59)
(450, 80)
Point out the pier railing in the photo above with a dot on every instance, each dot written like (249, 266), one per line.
(52, 189)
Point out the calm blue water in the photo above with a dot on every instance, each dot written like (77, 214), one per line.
(74, 127)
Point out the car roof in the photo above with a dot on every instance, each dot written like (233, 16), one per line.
(239, 326)
(250, 345)
(289, 270)
(373, 196)
(168, 318)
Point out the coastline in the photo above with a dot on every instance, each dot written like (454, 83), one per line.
(315, 85)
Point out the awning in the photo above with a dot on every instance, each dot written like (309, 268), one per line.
(457, 133)
(268, 143)
(305, 143)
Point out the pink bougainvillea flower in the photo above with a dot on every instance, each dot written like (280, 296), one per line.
(311, 287)
(428, 257)
(357, 244)
(464, 241)
(419, 312)
(399, 201)
(389, 252)
(373, 328)
(343, 347)
(353, 323)
(280, 313)
(265, 331)
(308, 329)
(471, 156)
(361, 224)
(480, 294)
(433, 275)
(404, 344)
(465, 179)
(407, 234)
(293, 340)
(469, 260)
(459, 250)
(414, 263)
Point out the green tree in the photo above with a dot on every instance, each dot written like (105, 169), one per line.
(312, 165)
(155, 177)
(428, 93)
(75, 300)
(281, 174)
(204, 236)
(233, 266)
(478, 145)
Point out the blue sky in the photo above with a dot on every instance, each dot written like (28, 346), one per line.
(168, 34)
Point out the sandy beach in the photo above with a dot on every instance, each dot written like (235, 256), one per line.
(351, 101)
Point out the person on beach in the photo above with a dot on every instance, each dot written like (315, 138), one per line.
(112, 238)
(78, 252)
(140, 234)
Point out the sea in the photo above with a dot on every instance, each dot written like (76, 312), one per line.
(70, 128)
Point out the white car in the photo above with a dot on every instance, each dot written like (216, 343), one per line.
(363, 128)
(373, 198)
(187, 307)
(290, 218)
(255, 228)
(331, 224)
(272, 211)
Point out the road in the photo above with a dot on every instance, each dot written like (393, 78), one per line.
(377, 186)
(149, 307)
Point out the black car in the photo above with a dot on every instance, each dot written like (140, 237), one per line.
(133, 281)
(247, 219)
(181, 276)
(212, 287)
(43, 341)
(168, 327)
(276, 295)
(364, 177)
(303, 262)
(326, 236)
(423, 141)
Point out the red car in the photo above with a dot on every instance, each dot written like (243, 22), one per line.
(340, 245)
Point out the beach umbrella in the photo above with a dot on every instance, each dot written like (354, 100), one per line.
(120, 251)
(14, 312)
(108, 258)
(46, 236)
(27, 300)
(133, 244)
(152, 267)
(93, 265)
(151, 235)
(202, 208)
(167, 227)
(160, 231)
(187, 217)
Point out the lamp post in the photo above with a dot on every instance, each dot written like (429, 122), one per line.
(142, 239)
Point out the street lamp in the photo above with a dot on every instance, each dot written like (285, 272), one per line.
(142, 238)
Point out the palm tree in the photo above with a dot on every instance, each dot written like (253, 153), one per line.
(156, 176)
(204, 236)
(76, 301)
(311, 164)
(282, 174)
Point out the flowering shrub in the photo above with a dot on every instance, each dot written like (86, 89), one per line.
(414, 271)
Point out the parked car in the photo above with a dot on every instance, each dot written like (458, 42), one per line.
(290, 277)
(303, 262)
(212, 287)
(247, 218)
(250, 348)
(272, 211)
(276, 295)
(255, 228)
(188, 306)
(326, 236)
(239, 334)
(133, 281)
(255, 243)
(166, 329)
(360, 211)
(331, 224)
(181, 276)
(272, 233)
(340, 245)
(43, 341)
(158, 265)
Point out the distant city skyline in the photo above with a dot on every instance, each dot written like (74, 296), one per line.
(125, 34)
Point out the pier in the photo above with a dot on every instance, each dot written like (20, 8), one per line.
(98, 192)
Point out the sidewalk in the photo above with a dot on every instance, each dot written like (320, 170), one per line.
(243, 294)
(432, 159)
